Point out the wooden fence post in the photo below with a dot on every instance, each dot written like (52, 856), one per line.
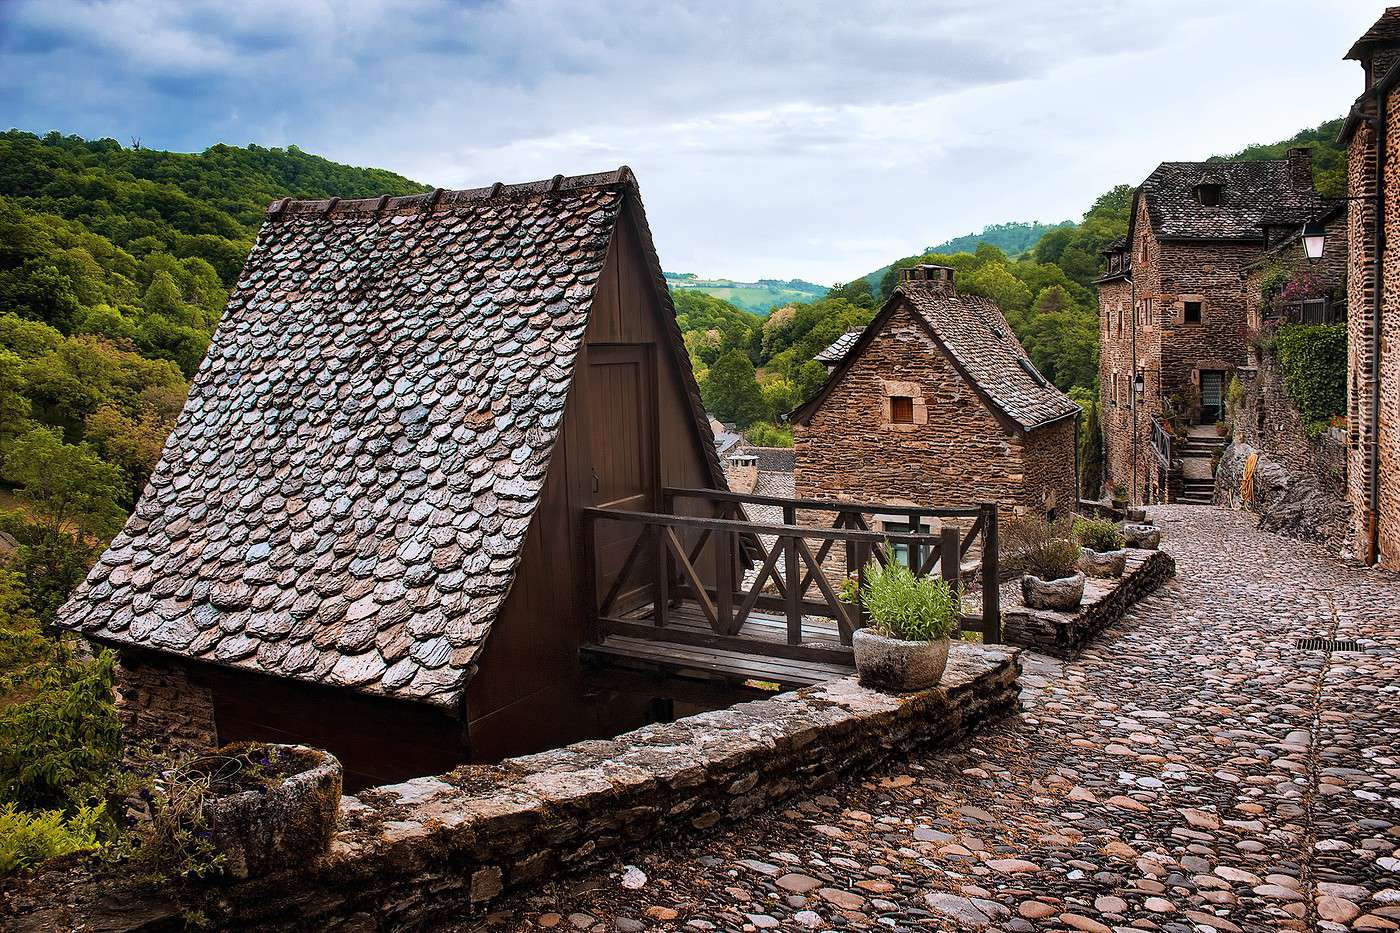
(991, 576)
(950, 556)
(792, 578)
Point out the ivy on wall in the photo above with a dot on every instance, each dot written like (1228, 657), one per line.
(1314, 362)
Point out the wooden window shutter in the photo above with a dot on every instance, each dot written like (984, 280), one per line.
(901, 409)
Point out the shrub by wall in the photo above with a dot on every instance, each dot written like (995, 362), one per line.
(1314, 362)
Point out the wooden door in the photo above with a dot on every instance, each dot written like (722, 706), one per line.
(1212, 407)
(624, 470)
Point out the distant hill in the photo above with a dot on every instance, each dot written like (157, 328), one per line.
(1329, 156)
(1013, 238)
(755, 297)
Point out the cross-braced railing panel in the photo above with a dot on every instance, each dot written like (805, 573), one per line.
(702, 559)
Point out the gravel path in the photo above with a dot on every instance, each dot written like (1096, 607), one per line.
(1194, 771)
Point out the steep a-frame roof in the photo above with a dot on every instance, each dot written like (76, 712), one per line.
(975, 334)
(345, 496)
(1385, 30)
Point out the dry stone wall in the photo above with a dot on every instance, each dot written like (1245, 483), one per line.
(407, 855)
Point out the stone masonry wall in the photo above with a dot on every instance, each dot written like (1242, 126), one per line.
(409, 855)
(159, 705)
(1050, 466)
(1361, 328)
(963, 455)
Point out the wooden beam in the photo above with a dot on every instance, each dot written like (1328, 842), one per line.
(823, 505)
(831, 654)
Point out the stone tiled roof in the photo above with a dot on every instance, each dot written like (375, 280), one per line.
(976, 334)
(773, 459)
(1386, 29)
(1251, 194)
(839, 348)
(347, 490)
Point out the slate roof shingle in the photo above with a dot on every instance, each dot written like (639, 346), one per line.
(839, 347)
(1385, 29)
(1252, 194)
(345, 495)
(981, 342)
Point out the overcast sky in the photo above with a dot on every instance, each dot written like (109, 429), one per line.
(809, 139)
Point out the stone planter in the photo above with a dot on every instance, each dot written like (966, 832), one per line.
(268, 824)
(893, 664)
(1142, 536)
(1063, 594)
(1103, 564)
(1138, 516)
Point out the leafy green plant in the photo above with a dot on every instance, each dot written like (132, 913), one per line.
(1313, 358)
(907, 607)
(29, 838)
(1097, 534)
(1036, 545)
(59, 732)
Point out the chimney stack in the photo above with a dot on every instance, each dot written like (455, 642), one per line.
(940, 278)
(1300, 171)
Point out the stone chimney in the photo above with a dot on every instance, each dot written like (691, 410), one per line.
(741, 470)
(1300, 171)
(940, 278)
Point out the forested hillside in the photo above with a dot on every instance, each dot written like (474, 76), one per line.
(115, 264)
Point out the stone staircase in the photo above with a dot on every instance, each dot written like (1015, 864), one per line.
(1197, 455)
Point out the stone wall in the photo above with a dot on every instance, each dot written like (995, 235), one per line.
(407, 855)
(1298, 485)
(160, 706)
(1064, 634)
(963, 455)
(1361, 328)
(1299, 503)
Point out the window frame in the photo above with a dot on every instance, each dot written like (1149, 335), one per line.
(1200, 307)
(898, 402)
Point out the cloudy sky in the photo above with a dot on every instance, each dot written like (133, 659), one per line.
(806, 139)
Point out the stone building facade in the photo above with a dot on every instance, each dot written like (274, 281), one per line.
(1172, 313)
(1372, 136)
(937, 404)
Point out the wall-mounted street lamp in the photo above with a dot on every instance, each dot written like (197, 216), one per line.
(1314, 238)
(1139, 383)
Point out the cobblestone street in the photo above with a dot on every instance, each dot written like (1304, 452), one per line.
(1195, 770)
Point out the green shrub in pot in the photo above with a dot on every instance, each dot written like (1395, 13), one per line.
(912, 618)
(1098, 534)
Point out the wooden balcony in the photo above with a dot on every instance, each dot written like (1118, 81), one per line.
(707, 592)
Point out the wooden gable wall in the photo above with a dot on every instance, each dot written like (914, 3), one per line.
(525, 695)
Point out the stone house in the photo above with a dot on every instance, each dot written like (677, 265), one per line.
(1172, 312)
(936, 403)
(1373, 296)
(364, 531)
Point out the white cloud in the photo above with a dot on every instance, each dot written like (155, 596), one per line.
(778, 139)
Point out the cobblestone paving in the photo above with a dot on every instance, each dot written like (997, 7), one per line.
(1194, 771)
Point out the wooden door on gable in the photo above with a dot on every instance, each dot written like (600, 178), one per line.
(624, 469)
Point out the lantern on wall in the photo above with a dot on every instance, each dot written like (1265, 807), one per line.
(1314, 238)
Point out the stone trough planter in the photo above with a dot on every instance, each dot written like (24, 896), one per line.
(1062, 594)
(272, 807)
(894, 664)
(1147, 537)
(1106, 565)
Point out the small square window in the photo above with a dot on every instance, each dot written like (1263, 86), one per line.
(1191, 312)
(901, 409)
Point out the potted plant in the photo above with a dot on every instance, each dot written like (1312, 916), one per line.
(1143, 535)
(1048, 559)
(905, 647)
(1101, 552)
(244, 810)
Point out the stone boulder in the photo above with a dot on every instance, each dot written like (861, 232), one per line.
(1286, 500)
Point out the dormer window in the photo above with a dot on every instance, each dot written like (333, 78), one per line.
(1208, 193)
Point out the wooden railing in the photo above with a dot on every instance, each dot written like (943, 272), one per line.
(1161, 444)
(1307, 311)
(790, 558)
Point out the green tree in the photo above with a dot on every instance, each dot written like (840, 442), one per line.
(1090, 451)
(731, 392)
(780, 394)
(67, 487)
